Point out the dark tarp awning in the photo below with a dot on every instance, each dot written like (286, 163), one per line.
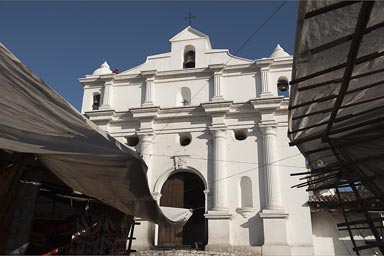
(35, 119)
(336, 115)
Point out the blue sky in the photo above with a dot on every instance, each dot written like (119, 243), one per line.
(63, 41)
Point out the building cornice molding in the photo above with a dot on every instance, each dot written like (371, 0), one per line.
(227, 110)
(145, 112)
(267, 104)
(217, 107)
(221, 215)
(273, 214)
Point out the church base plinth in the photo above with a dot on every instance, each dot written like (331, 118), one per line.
(237, 250)
(276, 249)
(144, 235)
(275, 233)
(266, 95)
(218, 228)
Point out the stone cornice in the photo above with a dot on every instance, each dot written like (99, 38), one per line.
(100, 113)
(90, 81)
(271, 103)
(264, 63)
(217, 67)
(192, 72)
(273, 214)
(225, 109)
(149, 73)
(217, 107)
(223, 215)
(145, 113)
(269, 63)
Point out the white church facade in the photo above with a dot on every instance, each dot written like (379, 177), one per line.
(212, 129)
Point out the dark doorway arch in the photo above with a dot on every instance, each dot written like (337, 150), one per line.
(185, 190)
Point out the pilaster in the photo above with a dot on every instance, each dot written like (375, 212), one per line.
(146, 117)
(149, 86)
(106, 92)
(264, 66)
(217, 111)
(217, 70)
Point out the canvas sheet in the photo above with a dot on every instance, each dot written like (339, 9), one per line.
(35, 119)
(323, 42)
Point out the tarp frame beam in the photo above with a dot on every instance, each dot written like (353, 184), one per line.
(362, 21)
(358, 61)
(328, 8)
(343, 39)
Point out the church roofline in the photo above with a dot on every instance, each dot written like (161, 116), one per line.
(193, 31)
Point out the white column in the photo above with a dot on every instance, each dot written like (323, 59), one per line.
(106, 99)
(219, 190)
(271, 171)
(264, 82)
(146, 150)
(149, 87)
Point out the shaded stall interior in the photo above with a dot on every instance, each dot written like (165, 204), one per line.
(41, 214)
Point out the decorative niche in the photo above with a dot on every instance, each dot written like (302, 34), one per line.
(246, 197)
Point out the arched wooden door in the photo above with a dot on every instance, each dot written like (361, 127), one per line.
(184, 190)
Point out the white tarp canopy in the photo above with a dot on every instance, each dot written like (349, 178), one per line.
(34, 119)
(336, 115)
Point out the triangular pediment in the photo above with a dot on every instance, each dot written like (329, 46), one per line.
(188, 33)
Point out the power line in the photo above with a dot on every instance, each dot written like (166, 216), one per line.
(242, 46)
(252, 169)
(221, 160)
(261, 26)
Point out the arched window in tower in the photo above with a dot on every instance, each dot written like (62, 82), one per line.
(283, 87)
(186, 96)
(96, 101)
(189, 57)
(246, 192)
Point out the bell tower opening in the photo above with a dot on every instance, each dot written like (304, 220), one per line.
(185, 190)
(96, 101)
(189, 57)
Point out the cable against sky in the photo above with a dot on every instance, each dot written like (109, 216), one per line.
(241, 47)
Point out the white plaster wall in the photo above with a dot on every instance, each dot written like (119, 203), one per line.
(166, 92)
(167, 145)
(239, 88)
(126, 96)
(294, 200)
(88, 98)
(328, 240)
(243, 159)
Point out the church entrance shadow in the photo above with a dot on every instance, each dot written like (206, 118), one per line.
(184, 190)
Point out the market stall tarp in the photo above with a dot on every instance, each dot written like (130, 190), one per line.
(35, 119)
(336, 115)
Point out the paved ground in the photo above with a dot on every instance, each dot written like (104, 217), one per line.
(180, 253)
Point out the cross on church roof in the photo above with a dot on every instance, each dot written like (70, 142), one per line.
(190, 17)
